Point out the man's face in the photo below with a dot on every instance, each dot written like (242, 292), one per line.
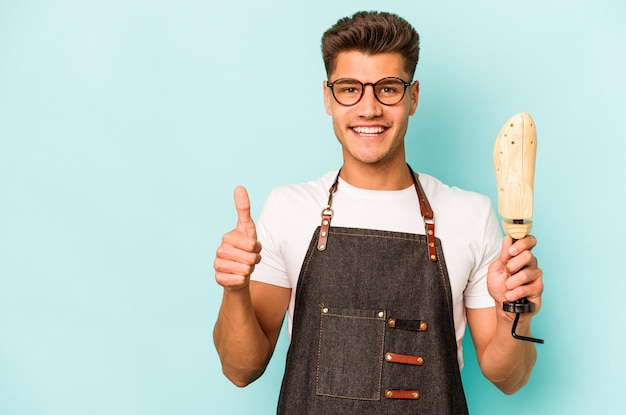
(370, 132)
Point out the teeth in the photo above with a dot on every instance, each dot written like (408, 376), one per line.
(368, 130)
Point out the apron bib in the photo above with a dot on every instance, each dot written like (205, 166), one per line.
(373, 330)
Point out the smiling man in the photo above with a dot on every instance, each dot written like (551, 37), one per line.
(378, 298)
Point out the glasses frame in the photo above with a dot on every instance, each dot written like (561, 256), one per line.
(373, 84)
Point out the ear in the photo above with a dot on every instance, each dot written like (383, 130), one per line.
(327, 98)
(414, 91)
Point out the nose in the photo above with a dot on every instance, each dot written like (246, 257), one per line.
(369, 106)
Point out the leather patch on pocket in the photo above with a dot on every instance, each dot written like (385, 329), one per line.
(402, 394)
(405, 359)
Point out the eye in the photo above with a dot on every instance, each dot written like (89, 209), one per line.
(390, 88)
(348, 88)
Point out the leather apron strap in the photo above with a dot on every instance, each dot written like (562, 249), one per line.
(427, 215)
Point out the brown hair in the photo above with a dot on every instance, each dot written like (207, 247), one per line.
(371, 33)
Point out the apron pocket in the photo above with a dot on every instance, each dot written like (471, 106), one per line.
(350, 353)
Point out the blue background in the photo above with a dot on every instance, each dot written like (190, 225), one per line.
(125, 125)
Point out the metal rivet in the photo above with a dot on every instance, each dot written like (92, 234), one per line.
(325, 310)
(415, 395)
(423, 326)
(430, 232)
(433, 257)
(322, 247)
(389, 394)
(432, 244)
(323, 233)
(324, 222)
(420, 360)
(389, 357)
(381, 314)
(392, 322)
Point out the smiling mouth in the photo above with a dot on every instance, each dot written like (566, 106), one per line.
(369, 131)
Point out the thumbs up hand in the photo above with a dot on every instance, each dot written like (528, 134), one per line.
(240, 250)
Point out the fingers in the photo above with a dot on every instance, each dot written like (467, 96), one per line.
(517, 254)
(511, 248)
(233, 266)
(525, 277)
(515, 273)
(245, 224)
(525, 283)
(235, 259)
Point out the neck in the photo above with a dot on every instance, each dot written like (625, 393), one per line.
(376, 177)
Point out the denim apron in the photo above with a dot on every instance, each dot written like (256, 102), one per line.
(373, 330)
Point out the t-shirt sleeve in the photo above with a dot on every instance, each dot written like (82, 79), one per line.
(272, 269)
(476, 294)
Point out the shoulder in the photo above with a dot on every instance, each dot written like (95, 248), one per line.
(296, 207)
(454, 198)
(311, 193)
(462, 217)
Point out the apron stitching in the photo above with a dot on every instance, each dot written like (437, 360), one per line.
(381, 236)
(380, 373)
(447, 288)
(319, 355)
(348, 397)
(304, 270)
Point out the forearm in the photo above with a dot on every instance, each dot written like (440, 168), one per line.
(508, 362)
(243, 347)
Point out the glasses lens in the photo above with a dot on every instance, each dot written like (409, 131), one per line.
(347, 91)
(390, 91)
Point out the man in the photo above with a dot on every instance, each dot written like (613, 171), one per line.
(377, 302)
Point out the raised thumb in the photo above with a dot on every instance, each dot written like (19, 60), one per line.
(245, 224)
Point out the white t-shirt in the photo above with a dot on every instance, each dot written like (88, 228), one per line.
(464, 221)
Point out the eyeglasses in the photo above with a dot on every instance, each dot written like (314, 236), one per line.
(388, 91)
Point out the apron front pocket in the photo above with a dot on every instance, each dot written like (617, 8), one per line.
(350, 353)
